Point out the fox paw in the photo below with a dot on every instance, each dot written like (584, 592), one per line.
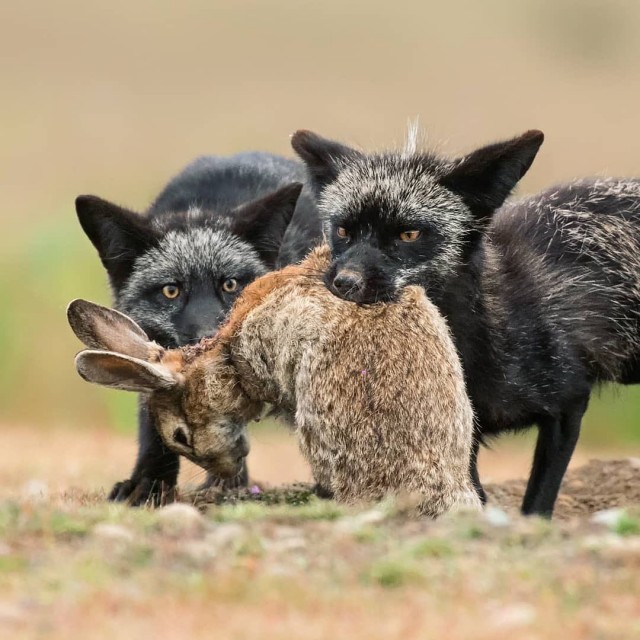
(143, 491)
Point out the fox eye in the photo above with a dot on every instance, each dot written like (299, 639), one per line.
(171, 291)
(342, 232)
(410, 236)
(230, 285)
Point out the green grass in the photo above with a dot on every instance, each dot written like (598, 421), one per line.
(628, 525)
(254, 560)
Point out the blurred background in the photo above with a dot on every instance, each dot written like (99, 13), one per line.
(114, 98)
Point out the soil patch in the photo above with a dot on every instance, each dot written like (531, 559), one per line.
(597, 485)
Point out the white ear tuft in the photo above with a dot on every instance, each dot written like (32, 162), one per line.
(413, 132)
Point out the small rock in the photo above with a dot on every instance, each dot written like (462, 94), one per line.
(512, 616)
(286, 532)
(496, 517)
(634, 462)
(609, 518)
(112, 533)
(198, 551)
(225, 535)
(373, 516)
(35, 491)
(11, 613)
(353, 524)
(599, 542)
(286, 539)
(289, 544)
(180, 519)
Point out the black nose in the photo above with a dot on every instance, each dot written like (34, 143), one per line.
(347, 282)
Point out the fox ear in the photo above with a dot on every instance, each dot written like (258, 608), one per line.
(263, 222)
(122, 372)
(485, 178)
(118, 234)
(323, 157)
(107, 329)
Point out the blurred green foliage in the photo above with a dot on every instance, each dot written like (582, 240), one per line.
(53, 264)
(113, 98)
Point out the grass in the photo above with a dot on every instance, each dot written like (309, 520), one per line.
(628, 525)
(75, 566)
(282, 563)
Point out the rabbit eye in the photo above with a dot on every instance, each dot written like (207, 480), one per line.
(230, 285)
(171, 291)
(410, 236)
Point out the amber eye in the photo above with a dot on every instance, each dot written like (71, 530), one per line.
(342, 232)
(410, 236)
(230, 285)
(171, 291)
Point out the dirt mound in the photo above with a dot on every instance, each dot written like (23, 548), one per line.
(597, 485)
(600, 484)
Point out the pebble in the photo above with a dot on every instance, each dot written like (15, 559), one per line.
(35, 491)
(180, 519)
(286, 539)
(512, 616)
(198, 551)
(225, 535)
(112, 533)
(613, 545)
(353, 524)
(608, 518)
(11, 613)
(496, 517)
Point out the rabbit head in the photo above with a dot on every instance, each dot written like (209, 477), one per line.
(195, 399)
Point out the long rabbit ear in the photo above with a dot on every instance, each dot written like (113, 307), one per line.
(102, 328)
(122, 372)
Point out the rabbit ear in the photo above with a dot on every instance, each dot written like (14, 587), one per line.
(109, 330)
(122, 372)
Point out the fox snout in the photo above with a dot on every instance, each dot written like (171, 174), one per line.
(363, 275)
(348, 282)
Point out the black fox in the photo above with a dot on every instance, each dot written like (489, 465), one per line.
(542, 294)
(176, 270)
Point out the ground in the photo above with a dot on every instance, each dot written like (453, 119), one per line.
(280, 563)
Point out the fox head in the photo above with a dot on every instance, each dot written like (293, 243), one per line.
(394, 219)
(178, 274)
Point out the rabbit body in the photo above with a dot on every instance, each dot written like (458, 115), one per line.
(375, 393)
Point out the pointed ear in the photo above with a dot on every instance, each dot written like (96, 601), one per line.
(102, 328)
(122, 372)
(323, 157)
(486, 177)
(119, 235)
(263, 222)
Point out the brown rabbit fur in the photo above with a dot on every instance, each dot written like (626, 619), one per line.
(375, 393)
